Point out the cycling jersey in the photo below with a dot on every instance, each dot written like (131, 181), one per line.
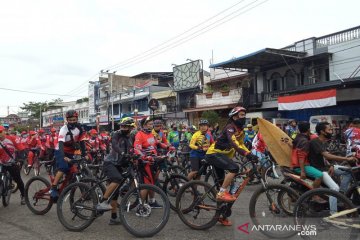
(94, 143)
(249, 136)
(51, 141)
(174, 138)
(199, 143)
(33, 142)
(11, 145)
(231, 139)
(160, 136)
(145, 143)
(64, 136)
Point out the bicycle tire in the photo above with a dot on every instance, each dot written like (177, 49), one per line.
(266, 174)
(124, 209)
(353, 194)
(36, 167)
(190, 186)
(252, 207)
(354, 233)
(175, 181)
(175, 169)
(6, 194)
(14, 187)
(26, 169)
(41, 192)
(91, 196)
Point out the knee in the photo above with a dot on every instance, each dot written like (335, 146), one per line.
(234, 168)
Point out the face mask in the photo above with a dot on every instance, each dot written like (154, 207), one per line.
(175, 128)
(147, 130)
(93, 138)
(328, 135)
(240, 122)
(124, 132)
(71, 126)
(25, 136)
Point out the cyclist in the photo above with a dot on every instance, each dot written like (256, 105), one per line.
(174, 137)
(113, 164)
(199, 144)
(221, 152)
(105, 141)
(71, 142)
(159, 133)
(291, 129)
(42, 137)
(352, 136)
(8, 146)
(94, 144)
(249, 135)
(146, 144)
(51, 142)
(34, 145)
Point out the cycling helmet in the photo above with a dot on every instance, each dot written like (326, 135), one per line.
(2, 128)
(145, 120)
(249, 126)
(52, 130)
(193, 128)
(93, 131)
(32, 133)
(23, 132)
(127, 121)
(204, 122)
(72, 113)
(41, 131)
(236, 110)
(158, 122)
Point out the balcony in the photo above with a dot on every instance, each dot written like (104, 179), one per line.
(218, 99)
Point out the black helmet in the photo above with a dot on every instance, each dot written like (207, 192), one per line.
(204, 122)
(71, 113)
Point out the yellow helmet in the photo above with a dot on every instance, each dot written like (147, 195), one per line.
(127, 121)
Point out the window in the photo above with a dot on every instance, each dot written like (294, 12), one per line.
(274, 83)
(290, 80)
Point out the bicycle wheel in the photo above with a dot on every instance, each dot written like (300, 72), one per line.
(269, 176)
(196, 205)
(14, 187)
(76, 206)
(6, 194)
(171, 187)
(26, 168)
(36, 166)
(37, 196)
(266, 210)
(138, 217)
(354, 195)
(326, 219)
(174, 169)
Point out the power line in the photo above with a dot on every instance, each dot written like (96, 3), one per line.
(50, 94)
(186, 40)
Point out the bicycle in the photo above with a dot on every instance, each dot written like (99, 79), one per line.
(76, 207)
(341, 219)
(5, 185)
(37, 189)
(198, 197)
(35, 165)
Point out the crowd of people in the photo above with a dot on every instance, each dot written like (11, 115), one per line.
(149, 138)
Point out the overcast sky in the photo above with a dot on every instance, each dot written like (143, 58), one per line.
(56, 47)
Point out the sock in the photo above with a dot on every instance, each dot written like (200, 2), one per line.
(222, 189)
(103, 200)
(113, 215)
(151, 200)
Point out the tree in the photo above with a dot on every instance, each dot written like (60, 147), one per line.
(34, 107)
(211, 116)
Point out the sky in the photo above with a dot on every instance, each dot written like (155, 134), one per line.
(57, 47)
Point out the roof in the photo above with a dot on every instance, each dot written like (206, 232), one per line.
(147, 75)
(262, 59)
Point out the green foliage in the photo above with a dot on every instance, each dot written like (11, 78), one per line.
(34, 107)
(211, 116)
(81, 100)
(209, 89)
(225, 88)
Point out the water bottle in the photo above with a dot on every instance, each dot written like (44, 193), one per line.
(234, 186)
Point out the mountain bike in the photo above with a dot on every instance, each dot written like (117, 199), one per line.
(5, 185)
(37, 189)
(76, 208)
(339, 220)
(198, 208)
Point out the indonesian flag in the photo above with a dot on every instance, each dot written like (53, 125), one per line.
(308, 100)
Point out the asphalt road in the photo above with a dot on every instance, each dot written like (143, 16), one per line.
(17, 222)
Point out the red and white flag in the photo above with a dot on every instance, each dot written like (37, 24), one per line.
(308, 100)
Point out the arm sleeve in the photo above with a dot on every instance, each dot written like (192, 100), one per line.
(193, 141)
(138, 144)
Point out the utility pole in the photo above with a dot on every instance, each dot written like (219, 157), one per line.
(40, 117)
(112, 101)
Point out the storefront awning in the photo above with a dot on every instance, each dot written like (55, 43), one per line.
(208, 108)
(261, 59)
(317, 99)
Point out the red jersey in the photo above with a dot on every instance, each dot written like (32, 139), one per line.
(9, 142)
(33, 142)
(94, 143)
(145, 143)
(51, 141)
(258, 143)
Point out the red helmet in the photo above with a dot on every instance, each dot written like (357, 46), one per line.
(23, 132)
(41, 131)
(2, 128)
(32, 133)
(93, 131)
(52, 130)
(236, 110)
(72, 113)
